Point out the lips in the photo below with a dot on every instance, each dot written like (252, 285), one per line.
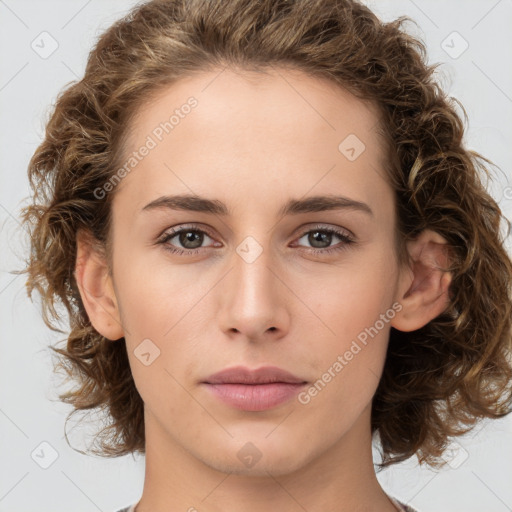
(264, 375)
(254, 390)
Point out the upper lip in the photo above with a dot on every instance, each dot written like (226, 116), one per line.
(243, 375)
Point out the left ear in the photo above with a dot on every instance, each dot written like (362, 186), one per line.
(423, 289)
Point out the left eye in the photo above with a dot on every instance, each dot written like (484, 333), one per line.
(323, 236)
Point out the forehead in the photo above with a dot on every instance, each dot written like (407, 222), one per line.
(283, 127)
(252, 100)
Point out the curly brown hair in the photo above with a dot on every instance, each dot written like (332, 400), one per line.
(438, 380)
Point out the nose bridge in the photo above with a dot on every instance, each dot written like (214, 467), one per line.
(252, 269)
(252, 301)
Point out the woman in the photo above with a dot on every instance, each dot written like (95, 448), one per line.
(273, 247)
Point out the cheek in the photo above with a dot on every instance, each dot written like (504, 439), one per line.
(154, 295)
(353, 311)
(348, 364)
(158, 304)
(351, 299)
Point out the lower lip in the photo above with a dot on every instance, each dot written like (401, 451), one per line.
(255, 397)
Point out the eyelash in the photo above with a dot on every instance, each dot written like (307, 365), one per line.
(347, 240)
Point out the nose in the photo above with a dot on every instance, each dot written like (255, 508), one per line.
(255, 301)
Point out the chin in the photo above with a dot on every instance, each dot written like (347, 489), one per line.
(263, 468)
(258, 458)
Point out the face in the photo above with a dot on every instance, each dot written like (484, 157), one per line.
(310, 290)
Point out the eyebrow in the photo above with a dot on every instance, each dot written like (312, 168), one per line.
(194, 203)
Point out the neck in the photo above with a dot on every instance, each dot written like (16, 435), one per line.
(340, 478)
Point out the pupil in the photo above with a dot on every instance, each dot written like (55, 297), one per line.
(189, 236)
(326, 237)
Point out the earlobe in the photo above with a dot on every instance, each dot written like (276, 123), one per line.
(96, 289)
(424, 289)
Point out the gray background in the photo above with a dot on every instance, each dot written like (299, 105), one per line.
(480, 470)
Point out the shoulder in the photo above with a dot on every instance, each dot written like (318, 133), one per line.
(407, 508)
(402, 506)
(130, 508)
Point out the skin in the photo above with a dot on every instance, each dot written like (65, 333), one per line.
(253, 142)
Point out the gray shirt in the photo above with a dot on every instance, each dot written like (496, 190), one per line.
(402, 507)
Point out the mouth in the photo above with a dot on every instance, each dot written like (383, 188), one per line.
(254, 390)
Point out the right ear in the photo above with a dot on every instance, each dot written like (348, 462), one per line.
(96, 287)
